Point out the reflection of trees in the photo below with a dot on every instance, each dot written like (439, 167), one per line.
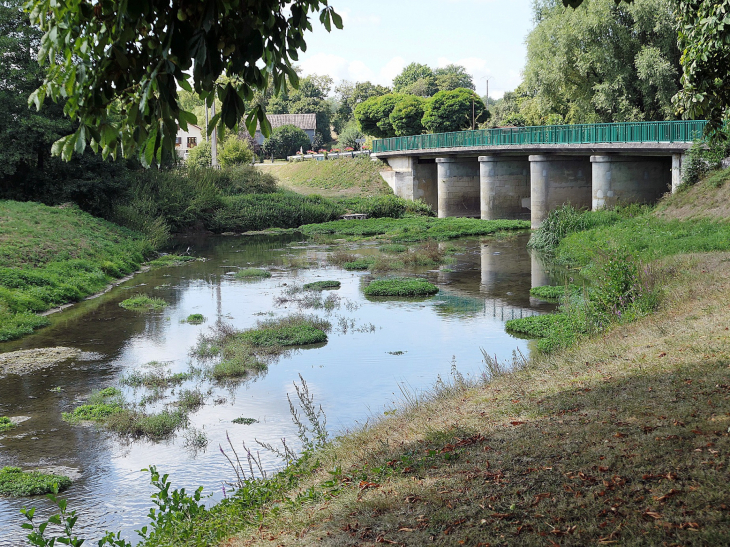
(453, 305)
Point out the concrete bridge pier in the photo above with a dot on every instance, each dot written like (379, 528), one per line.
(628, 179)
(505, 187)
(677, 170)
(556, 180)
(458, 187)
(413, 178)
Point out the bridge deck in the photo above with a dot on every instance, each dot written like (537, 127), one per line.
(646, 137)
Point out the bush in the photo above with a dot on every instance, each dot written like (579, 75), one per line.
(286, 140)
(234, 151)
(201, 156)
(407, 115)
(6, 424)
(401, 286)
(349, 135)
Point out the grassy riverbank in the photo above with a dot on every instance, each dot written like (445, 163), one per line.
(620, 438)
(342, 177)
(54, 255)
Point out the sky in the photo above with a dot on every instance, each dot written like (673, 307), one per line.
(381, 37)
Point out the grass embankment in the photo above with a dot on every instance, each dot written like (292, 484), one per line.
(50, 256)
(622, 438)
(342, 177)
(16, 482)
(411, 229)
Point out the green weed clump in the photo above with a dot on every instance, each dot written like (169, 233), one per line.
(393, 248)
(553, 293)
(172, 260)
(359, 264)
(6, 424)
(137, 424)
(401, 286)
(321, 285)
(16, 483)
(411, 229)
(195, 319)
(252, 273)
(142, 302)
(157, 378)
(295, 330)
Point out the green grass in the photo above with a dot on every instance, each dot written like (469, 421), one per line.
(401, 286)
(337, 174)
(321, 285)
(393, 248)
(16, 483)
(412, 229)
(647, 238)
(51, 256)
(6, 424)
(190, 400)
(553, 293)
(99, 407)
(137, 424)
(142, 302)
(252, 273)
(296, 330)
(171, 260)
(156, 378)
(195, 319)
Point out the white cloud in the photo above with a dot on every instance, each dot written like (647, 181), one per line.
(349, 19)
(481, 70)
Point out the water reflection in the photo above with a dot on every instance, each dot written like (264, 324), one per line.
(355, 374)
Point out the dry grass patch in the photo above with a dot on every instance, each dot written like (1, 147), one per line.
(708, 199)
(623, 439)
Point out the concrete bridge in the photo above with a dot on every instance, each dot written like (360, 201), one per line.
(525, 172)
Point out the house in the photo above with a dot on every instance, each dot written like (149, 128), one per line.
(187, 140)
(305, 122)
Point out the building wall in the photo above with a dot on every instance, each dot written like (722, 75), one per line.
(181, 145)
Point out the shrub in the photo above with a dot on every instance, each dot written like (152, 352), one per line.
(286, 140)
(401, 286)
(16, 482)
(200, 156)
(234, 151)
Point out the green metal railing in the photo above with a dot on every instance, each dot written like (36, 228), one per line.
(598, 133)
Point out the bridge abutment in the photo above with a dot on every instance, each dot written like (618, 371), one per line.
(556, 180)
(413, 178)
(458, 187)
(629, 179)
(677, 170)
(504, 187)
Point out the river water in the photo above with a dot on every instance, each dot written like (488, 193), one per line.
(376, 350)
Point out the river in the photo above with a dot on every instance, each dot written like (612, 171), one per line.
(375, 352)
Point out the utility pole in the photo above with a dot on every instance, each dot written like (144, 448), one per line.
(487, 79)
(472, 113)
(214, 142)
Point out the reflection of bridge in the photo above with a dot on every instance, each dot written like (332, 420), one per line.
(526, 172)
(453, 304)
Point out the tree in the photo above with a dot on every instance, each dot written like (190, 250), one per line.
(234, 151)
(349, 136)
(453, 77)
(704, 38)
(350, 95)
(311, 98)
(120, 64)
(452, 111)
(412, 74)
(373, 115)
(602, 63)
(286, 140)
(407, 115)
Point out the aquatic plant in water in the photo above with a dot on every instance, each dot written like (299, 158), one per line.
(142, 302)
(401, 286)
(16, 482)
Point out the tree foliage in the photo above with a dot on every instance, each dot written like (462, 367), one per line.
(407, 115)
(234, 151)
(350, 95)
(452, 111)
(704, 38)
(349, 135)
(410, 75)
(286, 140)
(373, 115)
(453, 77)
(119, 65)
(602, 62)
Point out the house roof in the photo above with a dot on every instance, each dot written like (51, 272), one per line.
(302, 121)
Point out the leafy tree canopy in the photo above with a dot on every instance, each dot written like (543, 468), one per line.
(603, 62)
(452, 111)
(234, 151)
(406, 116)
(453, 77)
(119, 64)
(410, 75)
(373, 115)
(350, 95)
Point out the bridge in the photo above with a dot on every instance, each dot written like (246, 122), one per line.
(525, 172)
